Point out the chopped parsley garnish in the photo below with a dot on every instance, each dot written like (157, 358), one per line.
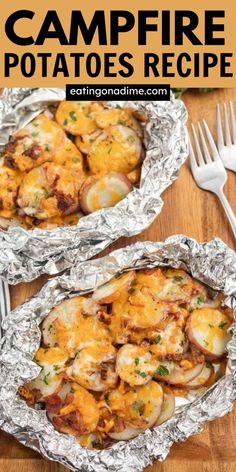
(50, 327)
(208, 365)
(131, 290)
(56, 367)
(47, 148)
(222, 324)
(34, 134)
(109, 150)
(36, 123)
(162, 371)
(138, 406)
(131, 139)
(205, 342)
(200, 299)
(75, 159)
(136, 360)
(142, 374)
(65, 122)
(210, 326)
(72, 390)
(72, 116)
(45, 379)
(178, 278)
(158, 339)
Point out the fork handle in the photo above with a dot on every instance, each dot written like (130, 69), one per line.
(228, 210)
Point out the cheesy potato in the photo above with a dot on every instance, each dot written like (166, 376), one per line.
(113, 361)
(77, 160)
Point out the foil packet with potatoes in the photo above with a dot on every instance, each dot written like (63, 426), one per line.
(209, 266)
(27, 253)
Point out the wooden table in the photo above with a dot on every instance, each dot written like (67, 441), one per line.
(195, 213)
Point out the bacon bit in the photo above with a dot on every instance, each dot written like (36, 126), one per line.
(104, 317)
(104, 374)
(1, 204)
(53, 403)
(118, 426)
(34, 152)
(186, 364)
(196, 357)
(9, 161)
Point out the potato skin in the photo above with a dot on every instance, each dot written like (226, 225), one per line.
(98, 188)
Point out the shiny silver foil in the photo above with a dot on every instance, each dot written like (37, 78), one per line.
(212, 263)
(27, 254)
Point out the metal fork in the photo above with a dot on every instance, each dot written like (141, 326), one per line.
(5, 307)
(208, 170)
(227, 144)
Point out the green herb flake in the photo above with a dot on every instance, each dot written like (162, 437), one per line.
(34, 134)
(210, 325)
(205, 343)
(162, 371)
(222, 324)
(72, 116)
(47, 148)
(72, 390)
(45, 379)
(208, 365)
(131, 290)
(142, 374)
(178, 278)
(65, 122)
(50, 327)
(200, 299)
(75, 159)
(136, 360)
(131, 139)
(56, 367)
(36, 123)
(138, 406)
(109, 150)
(158, 339)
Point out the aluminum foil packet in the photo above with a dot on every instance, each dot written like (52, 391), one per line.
(212, 263)
(25, 254)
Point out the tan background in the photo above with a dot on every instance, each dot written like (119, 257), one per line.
(198, 214)
(128, 41)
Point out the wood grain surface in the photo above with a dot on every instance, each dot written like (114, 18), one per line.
(190, 211)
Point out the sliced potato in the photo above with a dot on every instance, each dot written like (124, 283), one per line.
(76, 117)
(94, 367)
(52, 361)
(207, 329)
(174, 374)
(139, 409)
(111, 291)
(117, 149)
(168, 408)
(103, 191)
(201, 379)
(134, 364)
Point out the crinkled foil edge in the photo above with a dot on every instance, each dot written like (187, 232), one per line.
(27, 254)
(213, 263)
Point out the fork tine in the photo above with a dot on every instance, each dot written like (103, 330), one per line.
(193, 163)
(204, 145)
(211, 141)
(198, 149)
(233, 124)
(220, 138)
(227, 131)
